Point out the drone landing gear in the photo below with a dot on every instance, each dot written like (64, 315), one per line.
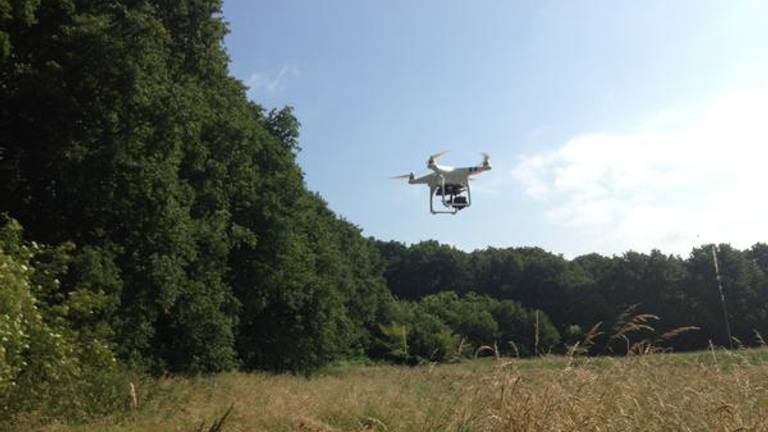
(454, 197)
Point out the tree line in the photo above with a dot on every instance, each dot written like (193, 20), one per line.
(156, 220)
(579, 293)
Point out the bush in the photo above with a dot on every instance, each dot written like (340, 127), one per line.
(524, 332)
(429, 338)
(469, 316)
(46, 364)
(414, 336)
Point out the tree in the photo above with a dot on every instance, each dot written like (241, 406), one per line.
(741, 281)
(425, 268)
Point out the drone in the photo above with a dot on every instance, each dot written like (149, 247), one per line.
(449, 183)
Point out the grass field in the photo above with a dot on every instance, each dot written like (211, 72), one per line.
(706, 391)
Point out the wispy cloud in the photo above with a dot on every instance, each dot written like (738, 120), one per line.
(271, 82)
(688, 177)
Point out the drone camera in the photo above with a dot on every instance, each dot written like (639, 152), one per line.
(459, 202)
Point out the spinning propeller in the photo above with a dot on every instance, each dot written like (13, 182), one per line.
(404, 177)
(434, 157)
(486, 160)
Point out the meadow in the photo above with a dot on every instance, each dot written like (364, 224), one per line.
(710, 390)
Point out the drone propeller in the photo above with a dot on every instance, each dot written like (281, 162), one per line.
(403, 177)
(486, 159)
(435, 157)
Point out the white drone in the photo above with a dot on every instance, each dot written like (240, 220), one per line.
(449, 183)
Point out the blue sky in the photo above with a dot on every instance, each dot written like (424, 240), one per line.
(612, 125)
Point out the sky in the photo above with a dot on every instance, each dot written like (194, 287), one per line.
(612, 126)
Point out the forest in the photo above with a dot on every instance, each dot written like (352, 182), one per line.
(155, 221)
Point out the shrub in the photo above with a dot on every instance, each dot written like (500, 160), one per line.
(48, 365)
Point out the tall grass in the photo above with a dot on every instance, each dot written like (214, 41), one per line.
(647, 389)
(717, 390)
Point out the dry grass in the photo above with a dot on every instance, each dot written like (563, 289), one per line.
(708, 391)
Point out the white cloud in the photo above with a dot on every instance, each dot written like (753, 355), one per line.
(687, 177)
(271, 82)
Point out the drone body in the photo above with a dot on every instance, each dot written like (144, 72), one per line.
(449, 183)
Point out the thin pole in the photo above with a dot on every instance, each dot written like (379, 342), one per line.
(722, 295)
(536, 335)
(405, 342)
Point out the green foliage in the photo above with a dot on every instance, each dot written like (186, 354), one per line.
(445, 326)
(46, 360)
(198, 239)
(415, 336)
(311, 287)
(524, 332)
(14, 14)
(18, 312)
(394, 342)
(424, 268)
(110, 138)
(470, 317)
(587, 290)
(485, 321)
(429, 338)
